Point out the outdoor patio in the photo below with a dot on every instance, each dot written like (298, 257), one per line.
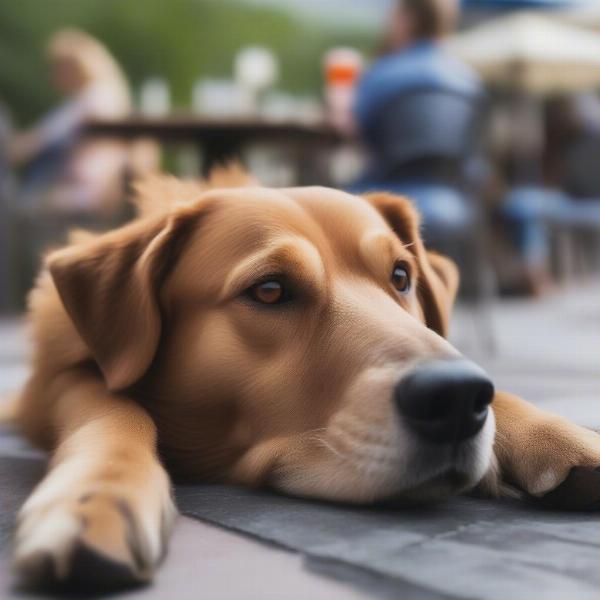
(267, 546)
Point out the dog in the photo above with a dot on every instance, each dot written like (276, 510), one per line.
(291, 338)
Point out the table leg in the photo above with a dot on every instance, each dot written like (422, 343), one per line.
(218, 152)
(313, 164)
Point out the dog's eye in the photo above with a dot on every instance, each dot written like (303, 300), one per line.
(269, 292)
(401, 278)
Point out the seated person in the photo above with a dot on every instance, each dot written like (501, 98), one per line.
(5, 181)
(570, 193)
(62, 169)
(5, 136)
(427, 155)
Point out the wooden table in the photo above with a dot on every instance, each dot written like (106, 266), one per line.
(222, 139)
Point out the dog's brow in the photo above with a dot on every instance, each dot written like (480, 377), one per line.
(290, 252)
(374, 243)
(378, 245)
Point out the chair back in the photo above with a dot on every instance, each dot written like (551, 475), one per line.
(417, 126)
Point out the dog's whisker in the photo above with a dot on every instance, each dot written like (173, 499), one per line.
(331, 448)
(361, 455)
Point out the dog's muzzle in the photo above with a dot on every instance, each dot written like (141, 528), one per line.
(444, 401)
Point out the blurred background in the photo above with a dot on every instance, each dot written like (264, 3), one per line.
(486, 113)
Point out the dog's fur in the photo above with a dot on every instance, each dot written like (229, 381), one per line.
(146, 344)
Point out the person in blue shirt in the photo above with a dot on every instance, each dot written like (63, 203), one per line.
(412, 57)
(424, 150)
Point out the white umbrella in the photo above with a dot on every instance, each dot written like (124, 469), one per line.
(585, 15)
(532, 53)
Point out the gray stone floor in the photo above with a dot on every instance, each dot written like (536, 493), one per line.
(548, 351)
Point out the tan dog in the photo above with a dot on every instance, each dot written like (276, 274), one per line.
(291, 338)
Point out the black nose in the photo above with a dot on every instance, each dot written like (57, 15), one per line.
(445, 401)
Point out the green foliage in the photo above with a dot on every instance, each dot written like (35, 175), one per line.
(181, 40)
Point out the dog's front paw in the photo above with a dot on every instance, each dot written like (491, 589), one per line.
(561, 467)
(580, 490)
(96, 540)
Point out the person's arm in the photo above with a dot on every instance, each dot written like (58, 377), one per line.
(60, 125)
(24, 146)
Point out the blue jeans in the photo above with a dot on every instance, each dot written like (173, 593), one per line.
(531, 210)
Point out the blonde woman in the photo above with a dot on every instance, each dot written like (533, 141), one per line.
(64, 170)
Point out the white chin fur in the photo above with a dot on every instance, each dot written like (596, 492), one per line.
(411, 468)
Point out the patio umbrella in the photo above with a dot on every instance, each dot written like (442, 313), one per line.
(531, 53)
(586, 15)
(517, 4)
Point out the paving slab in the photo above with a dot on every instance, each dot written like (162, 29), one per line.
(465, 548)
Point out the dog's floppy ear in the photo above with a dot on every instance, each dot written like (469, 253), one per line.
(109, 287)
(439, 278)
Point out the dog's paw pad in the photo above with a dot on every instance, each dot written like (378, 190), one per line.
(92, 570)
(87, 570)
(98, 544)
(580, 490)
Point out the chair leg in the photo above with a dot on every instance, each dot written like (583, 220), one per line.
(486, 292)
(596, 253)
(566, 253)
(479, 290)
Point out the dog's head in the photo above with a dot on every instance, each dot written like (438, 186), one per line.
(294, 338)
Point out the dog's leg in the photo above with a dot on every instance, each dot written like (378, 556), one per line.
(101, 515)
(545, 455)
